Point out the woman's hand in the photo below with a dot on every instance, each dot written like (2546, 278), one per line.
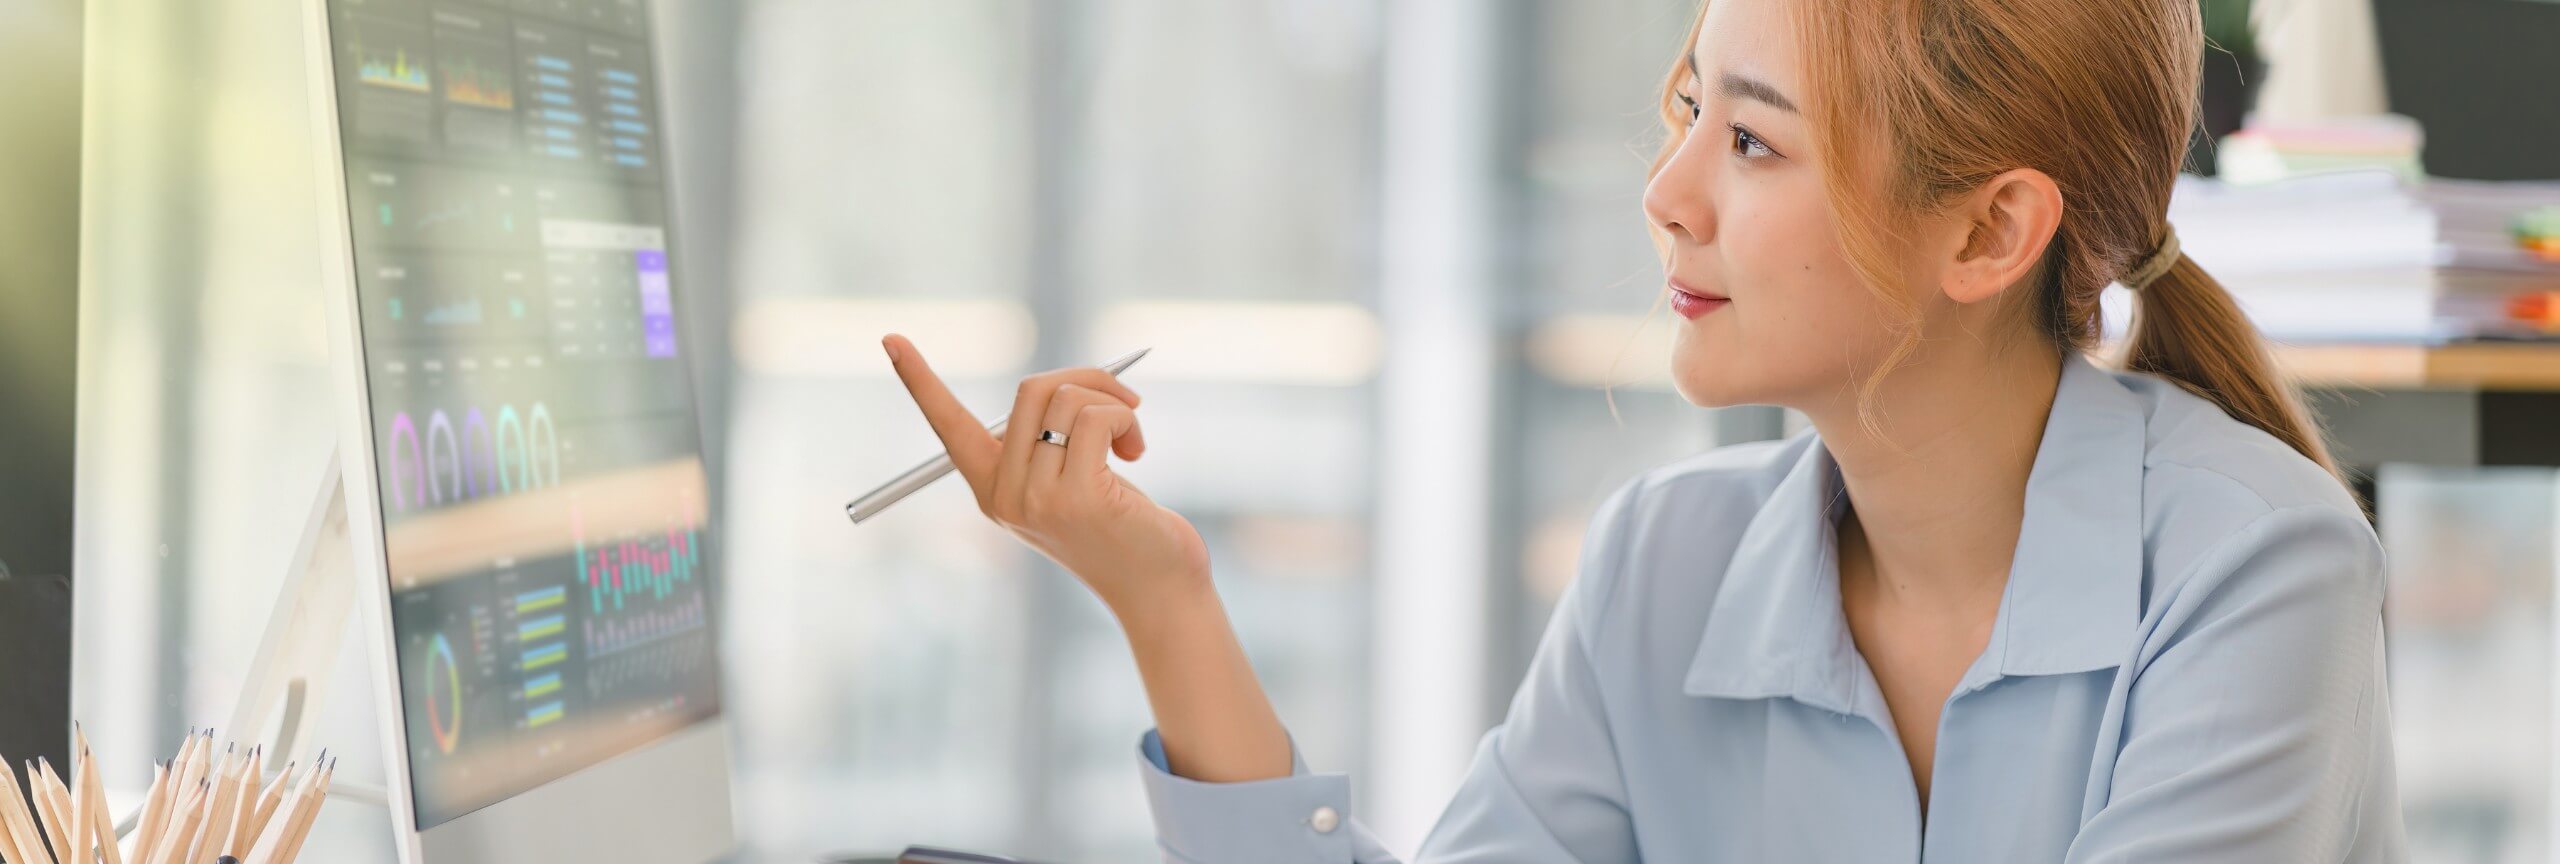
(1143, 560)
(1066, 501)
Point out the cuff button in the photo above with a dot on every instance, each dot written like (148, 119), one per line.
(1324, 820)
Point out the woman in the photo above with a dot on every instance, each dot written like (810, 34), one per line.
(1998, 605)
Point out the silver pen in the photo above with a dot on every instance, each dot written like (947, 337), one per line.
(871, 503)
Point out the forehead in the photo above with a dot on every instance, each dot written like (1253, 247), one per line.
(1748, 37)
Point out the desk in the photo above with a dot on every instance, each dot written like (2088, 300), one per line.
(2469, 405)
(2464, 405)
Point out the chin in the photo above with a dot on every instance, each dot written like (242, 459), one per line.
(1707, 394)
(1706, 380)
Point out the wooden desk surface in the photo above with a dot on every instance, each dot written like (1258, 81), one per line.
(2472, 366)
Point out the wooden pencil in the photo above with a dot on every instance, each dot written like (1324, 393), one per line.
(178, 768)
(267, 805)
(155, 812)
(40, 782)
(197, 761)
(26, 842)
(9, 842)
(182, 825)
(218, 815)
(233, 842)
(103, 821)
(83, 821)
(213, 778)
(272, 847)
(306, 813)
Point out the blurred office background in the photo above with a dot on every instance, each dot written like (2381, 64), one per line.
(1389, 256)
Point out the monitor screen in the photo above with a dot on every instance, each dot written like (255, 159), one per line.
(534, 432)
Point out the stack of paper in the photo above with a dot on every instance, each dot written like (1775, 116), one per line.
(2367, 257)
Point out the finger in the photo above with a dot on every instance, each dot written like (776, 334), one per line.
(1030, 405)
(972, 450)
(1131, 444)
(1098, 427)
(1063, 409)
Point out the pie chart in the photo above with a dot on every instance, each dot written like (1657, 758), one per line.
(444, 695)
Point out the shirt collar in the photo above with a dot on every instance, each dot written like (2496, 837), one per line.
(2075, 582)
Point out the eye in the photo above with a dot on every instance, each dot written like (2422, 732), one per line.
(1747, 145)
(1694, 110)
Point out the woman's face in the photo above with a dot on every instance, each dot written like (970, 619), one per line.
(1770, 311)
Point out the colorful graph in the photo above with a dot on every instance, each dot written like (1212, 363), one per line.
(553, 597)
(444, 695)
(520, 451)
(536, 628)
(545, 685)
(542, 715)
(543, 657)
(649, 567)
(394, 69)
(467, 82)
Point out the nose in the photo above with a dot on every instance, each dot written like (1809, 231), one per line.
(1677, 199)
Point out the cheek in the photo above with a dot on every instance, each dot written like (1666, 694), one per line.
(1804, 321)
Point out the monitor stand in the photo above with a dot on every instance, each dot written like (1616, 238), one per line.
(280, 696)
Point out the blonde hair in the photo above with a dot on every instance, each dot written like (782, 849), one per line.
(2099, 95)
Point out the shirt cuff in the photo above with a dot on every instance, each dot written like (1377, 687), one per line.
(1303, 817)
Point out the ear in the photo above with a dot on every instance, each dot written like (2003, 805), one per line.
(1998, 235)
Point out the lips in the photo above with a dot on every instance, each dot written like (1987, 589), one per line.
(1691, 302)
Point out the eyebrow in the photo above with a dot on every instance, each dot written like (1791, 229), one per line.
(1745, 87)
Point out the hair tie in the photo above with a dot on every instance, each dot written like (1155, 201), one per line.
(2157, 264)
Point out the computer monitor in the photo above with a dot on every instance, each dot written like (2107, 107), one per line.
(525, 476)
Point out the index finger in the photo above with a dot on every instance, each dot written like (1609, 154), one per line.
(972, 449)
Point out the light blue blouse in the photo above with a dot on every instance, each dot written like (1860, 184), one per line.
(2186, 666)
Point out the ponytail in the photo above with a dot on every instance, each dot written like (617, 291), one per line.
(2187, 329)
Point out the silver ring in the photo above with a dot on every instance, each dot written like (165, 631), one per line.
(1053, 436)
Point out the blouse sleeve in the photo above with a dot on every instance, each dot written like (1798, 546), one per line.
(2257, 726)
(1544, 786)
